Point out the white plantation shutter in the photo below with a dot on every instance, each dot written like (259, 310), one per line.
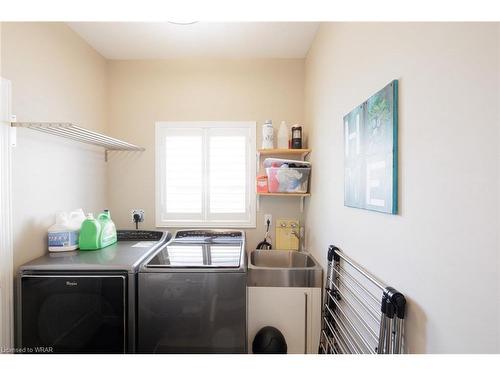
(184, 172)
(205, 174)
(227, 167)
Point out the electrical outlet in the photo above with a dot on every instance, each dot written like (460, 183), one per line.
(138, 211)
(266, 218)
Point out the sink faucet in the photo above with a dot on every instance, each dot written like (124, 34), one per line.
(300, 236)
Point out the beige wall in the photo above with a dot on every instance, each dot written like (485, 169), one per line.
(142, 92)
(55, 76)
(442, 249)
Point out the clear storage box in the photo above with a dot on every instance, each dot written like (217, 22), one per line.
(288, 180)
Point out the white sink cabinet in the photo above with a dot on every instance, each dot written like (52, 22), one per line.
(296, 312)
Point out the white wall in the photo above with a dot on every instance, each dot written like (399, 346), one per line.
(441, 250)
(143, 92)
(55, 76)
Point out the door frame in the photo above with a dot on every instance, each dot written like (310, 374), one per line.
(6, 238)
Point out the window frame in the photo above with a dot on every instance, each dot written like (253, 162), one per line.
(160, 176)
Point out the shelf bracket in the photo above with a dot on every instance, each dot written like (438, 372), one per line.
(302, 204)
(13, 131)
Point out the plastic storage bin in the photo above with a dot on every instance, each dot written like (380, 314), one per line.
(288, 180)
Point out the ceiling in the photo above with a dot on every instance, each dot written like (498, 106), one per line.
(165, 40)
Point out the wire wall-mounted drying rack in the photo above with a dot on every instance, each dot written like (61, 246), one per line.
(77, 133)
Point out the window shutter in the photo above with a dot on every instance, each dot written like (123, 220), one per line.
(227, 171)
(184, 171)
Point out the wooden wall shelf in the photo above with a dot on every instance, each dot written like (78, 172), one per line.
(286, 194)
(303, 152)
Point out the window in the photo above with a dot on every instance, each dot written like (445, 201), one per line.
(205, 174)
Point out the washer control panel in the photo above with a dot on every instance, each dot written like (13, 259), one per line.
(208, 236)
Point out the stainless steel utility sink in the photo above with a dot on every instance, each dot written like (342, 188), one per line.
(283, 268)
(281, 259)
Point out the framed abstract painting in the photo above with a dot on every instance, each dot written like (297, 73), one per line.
(371, 153)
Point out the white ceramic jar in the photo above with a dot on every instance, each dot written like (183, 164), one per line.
(267, 135)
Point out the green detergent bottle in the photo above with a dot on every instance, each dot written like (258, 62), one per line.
(108, 229)
(90, 233)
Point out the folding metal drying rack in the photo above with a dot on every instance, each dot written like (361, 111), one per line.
(354, 319)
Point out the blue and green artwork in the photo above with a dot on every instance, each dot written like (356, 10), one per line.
(371, 153)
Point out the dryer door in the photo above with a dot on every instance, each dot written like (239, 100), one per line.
(73, 313)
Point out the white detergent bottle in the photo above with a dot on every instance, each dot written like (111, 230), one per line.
(76, 218)
(62, 236)
(283, 136)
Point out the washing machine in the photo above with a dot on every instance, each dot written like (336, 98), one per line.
(192, 295)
